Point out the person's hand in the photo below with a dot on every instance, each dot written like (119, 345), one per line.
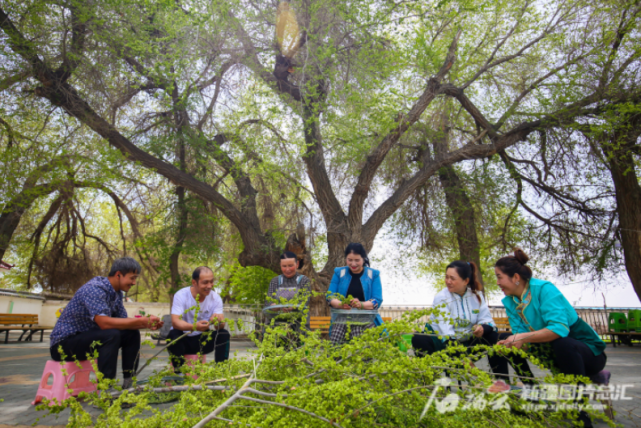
(151, 322)
(202, 325)
(478, 330)
(287, 309)
(336, 304)
(511, 341)
(355, 303)
(217, 321)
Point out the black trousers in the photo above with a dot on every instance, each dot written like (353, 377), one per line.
(425, 345)
(77, 347)
(569, 356)
(204, 343)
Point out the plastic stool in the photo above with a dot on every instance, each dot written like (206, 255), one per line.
(189, 360)
(617, 321)
(61, 383)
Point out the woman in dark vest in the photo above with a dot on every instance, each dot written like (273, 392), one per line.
(289, 286)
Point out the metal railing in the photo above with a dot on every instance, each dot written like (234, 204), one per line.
(597, 318)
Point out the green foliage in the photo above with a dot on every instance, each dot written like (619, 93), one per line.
(366, 382)
(247, 285)
(192, 86)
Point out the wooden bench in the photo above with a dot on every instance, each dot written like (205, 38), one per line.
(503, 325)
(623, 337)
(27, 323)
(322, 323)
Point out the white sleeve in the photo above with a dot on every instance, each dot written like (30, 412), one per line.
(178, 306)
(218, 305)
(485, 316)
(441, 324)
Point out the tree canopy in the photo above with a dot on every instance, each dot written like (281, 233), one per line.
(252, 117)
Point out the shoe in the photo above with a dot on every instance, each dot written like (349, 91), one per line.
(601, 378)
(585, 418)
(127, 383)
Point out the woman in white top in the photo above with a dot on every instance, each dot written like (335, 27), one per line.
(463, 317)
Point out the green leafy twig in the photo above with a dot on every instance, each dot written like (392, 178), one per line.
(158, 353)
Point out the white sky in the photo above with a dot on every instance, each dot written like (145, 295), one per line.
(403, 286)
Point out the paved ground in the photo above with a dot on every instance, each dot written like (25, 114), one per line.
(21, 367)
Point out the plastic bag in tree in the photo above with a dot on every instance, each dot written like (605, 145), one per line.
(287, 32)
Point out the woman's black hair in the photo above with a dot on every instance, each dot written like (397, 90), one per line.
(356, 248)
(287, 255)
(511, 265)
(290, 255)
(468, 270)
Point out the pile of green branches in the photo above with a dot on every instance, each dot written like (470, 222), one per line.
(293, 380)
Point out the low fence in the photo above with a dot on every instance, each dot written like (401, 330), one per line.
(597, 318)
(250, 315)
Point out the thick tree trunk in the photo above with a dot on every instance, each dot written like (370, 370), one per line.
(463, 213)
(457, 200)
(628, 197)
(10, 217)
(174, 268)
(296, 243)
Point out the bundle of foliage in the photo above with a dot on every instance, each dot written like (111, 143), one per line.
(305, 381)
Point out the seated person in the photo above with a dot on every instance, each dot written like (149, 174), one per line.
(464, 315)
(543, 322)
(359, 281)
(290, 283)
(289, 286)
(95, 319)
(210, 312)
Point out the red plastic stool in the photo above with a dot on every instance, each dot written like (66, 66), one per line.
(61, 383)
(191, 358)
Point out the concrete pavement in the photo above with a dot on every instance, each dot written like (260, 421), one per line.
(21, 367)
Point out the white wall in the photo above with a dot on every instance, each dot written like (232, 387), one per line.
(21, 305)
(46, 310)
(49, 308)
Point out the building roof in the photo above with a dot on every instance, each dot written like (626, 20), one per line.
(5, 265)
(24, 294)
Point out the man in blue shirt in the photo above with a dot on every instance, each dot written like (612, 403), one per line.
(95, 319)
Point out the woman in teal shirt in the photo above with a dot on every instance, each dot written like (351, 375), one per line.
(540, 314)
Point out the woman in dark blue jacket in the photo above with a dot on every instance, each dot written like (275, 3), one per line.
(361, 282)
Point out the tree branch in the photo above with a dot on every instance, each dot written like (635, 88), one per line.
(7, 82)
(475, 151)
(71, 59)
(63, 95)
(290, 407)
(374, 160)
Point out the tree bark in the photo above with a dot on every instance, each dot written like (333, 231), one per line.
(174, 259)
(296, 243)
(10, 217)
(457, 200)
(619, 153)
(463, 213)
